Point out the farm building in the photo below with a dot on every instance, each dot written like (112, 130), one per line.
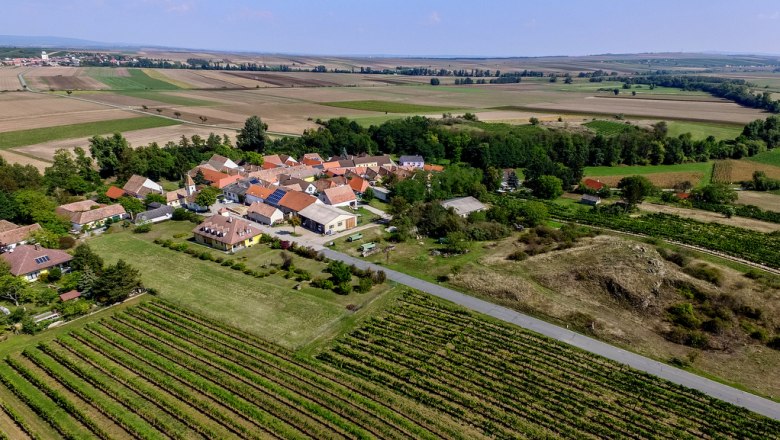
(89, 214)
(464, 206)
(339, 196)
(31, 261)
(69, 296)
(381, 193)
(265, 214)
(12, 235)
(594, 185)
(114, 193)
(227, 233)
(219, 162)
(292, 201)
(158, 213)
(411, 161)
(588, 199)
(140, 187)
(326, 219)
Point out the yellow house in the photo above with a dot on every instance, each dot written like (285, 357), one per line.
(227, 233)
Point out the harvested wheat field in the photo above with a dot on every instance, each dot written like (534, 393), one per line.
(193, 79)
(661, 180)
(712, 217)
(763, 200)
(619, 290)
(734, 171)
(21, 111)
(161, 135)
(9, 81)
(62, 78)
(13, 157)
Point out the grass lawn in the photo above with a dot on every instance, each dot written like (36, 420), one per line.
(388, 106)
(34, 136)
(700, 167)
(138, 80)
(378, 204)
(700, 130)
(268, 307)
(771, 157)
(166, 98)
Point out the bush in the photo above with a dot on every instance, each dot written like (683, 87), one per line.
(67, 242)
(679, 258)
(344, 288)
(142, 229)
(226, 263)
(774, 343)
(706, 273)
(322, 283)
(715, 326)
(518, 255)
(364, 285)
(683, 315)
(55, 274)
(379, 277)
(238, 266)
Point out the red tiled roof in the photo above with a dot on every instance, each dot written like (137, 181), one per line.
(358, 184)
(262, 209)
(431, 167)
(18, 234)
(593, 184)
(23, 259)
(225, 229)
(67, 296)
(295, 201)
(683, 196)
(83, 213)
(114, 192)
(340, 194)
(259, 191)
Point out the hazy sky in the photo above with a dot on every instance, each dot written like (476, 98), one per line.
(410, 27)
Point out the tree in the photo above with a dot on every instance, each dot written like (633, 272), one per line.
(177, 114)
(86, 283)
(12, 288)
(85, 259)
(154, 198)
(339, 272)
(199, 179)
(294, 221)
(616, 91)
(116, 283)
(61, 176)
(368, 195)
(634, 189)
(547, 187)
(132, 205)
(46, 239)
(718, 193)
(533, 213)
(534, 121)
(252, 137)
(207, 197)
(435, 81)
(108, 152)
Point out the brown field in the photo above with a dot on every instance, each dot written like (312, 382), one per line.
(12, 157)
(763, 200)
(9, 81)
(21, 111)
(161, 135)
(62, 78)
(661, 180)
(712, 217)
(733, 171)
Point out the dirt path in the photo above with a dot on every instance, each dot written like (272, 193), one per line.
(711, 217)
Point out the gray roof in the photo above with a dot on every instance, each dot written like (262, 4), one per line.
(238, 188)
(464, 205)
(160, 211)
(404, 159)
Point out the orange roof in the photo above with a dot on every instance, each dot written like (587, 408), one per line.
(329, 165)
(430, 167)
(683, 196)
(339, 194)
(295, 200)
(270, 165)
(259, 191)
(593, 184)
(73, 294)
(114, 192)
(311, 162)
(218, 179)
(358, 184)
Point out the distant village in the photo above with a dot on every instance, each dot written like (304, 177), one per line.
(67, 58)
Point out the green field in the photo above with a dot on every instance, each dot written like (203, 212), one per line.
(700, 130)
(608, 128)
(138, 80)
(264, 306)
(388, 106)
(697, 167)
(11, 139)
(771, 157)
(587, 86)
(167, 98)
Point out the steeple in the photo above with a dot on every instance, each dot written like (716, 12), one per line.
(189, 184)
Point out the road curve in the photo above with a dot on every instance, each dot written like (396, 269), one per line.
(718, 390)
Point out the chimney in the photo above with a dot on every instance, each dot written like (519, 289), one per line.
(36, 246)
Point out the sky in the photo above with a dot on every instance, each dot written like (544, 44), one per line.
(410, 27)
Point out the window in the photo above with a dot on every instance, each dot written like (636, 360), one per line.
(341, 223)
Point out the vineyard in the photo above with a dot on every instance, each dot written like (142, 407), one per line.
(511, 383)
(421, 370)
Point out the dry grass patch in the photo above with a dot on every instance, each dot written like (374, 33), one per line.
(733, 171)
(763, 200)
(661, 180)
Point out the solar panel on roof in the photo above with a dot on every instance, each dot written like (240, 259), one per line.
(41, 260)
(275, 197)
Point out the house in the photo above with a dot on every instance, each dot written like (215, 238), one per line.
(326, 219)
(411, 161)
(297, 184)
(373, 161)
(114, 193)
(214, 178)
(594, 185)
(265, 214)
(227, 233)
(321, 185)
(358, 184)
(219, 162)
(139, 187)
(433, 168)
(339, 196)
(236, 191)
(293, 201)
(89, 214)
(312, 159)
(12, 235)
(158, 213)
(69, 296)
(381, 193)
(31, 261)
(279, 161)
(588, 199)
(464, 206)
(257, 193)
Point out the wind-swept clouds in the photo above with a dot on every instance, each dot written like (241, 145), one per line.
(170, 6)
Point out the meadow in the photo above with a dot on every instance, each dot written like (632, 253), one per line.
(664, 176)
(701, 130)
(136, 79)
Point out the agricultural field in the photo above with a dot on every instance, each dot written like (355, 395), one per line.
(129, 79)
(663, 176)
(9, 80)
(21, 111)
(762, 199)
(608, 128)
(158, 370)
(62, 78)
(734, 171)
(387, 106)
(11, 139)
(771, 157)
(701, 130)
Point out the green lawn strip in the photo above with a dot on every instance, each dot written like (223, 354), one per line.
(267, 306)
(696, 167)
(771, 157)
(164, 97)
(700, 130)
(19, 138)
(138, 80)
(388, 106)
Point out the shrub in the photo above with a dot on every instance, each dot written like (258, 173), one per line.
(55, 274)
(364, 285)
(716, 326)
(679, 258)
(774, 343)
(181, 235)
(322, 283)
(518, 255)
(287, 261)
(379, 277)
(142, 229)
(238, 266)
(760, 334)
(344, 288)
(67, 242)
(706, 273)
(226, 263)
(683, 315)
